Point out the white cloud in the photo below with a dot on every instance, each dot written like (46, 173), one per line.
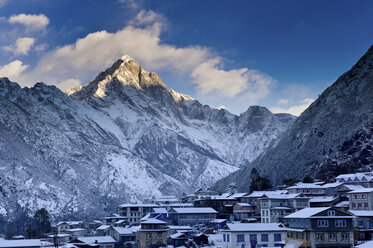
(3, 2)
(21, 47)
(41, 47)
(68, 84)
(31, 22)
(129, 3)
(83, 59)
(294, 110)
(13, 70)
(222, 107)
(283, 101)
(214, 82)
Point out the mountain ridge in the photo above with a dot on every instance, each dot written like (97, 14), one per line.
(315, 141)
(123, 137)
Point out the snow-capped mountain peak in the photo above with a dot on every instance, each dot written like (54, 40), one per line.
(123, 137)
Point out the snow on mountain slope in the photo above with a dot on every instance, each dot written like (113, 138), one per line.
(331, 137)
(124, 137)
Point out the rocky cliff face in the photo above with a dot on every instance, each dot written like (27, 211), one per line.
(332, 136)
(124, 137)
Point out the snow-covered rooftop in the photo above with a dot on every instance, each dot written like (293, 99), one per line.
(127, 205)
(70, 222)
(306, 212)
(124, 230)
(353, 187)
(357, 177)
(256, 227)
(97, 239)
(160, 210)
(332, 185)
(364, 190)
(75, 230)
(362, 213)
(103, 227)
(323, 199)
(180, 227)
(368, 244)
(261, 193)
(153, 221)
(306, 186)
(20, 243)
(195, 210)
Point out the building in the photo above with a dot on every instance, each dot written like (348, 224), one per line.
(254, 235)
(331, 189)
(166, 200)
(275, 207)
(321, 227)
(243, 211)
(323, 201)
(65, 225)
(222, 203)
(76, 232)
(308, 189)
(22, 243)
(177, 239)
(124, 236)
(346, 188)
(361, 199)
(363, 179)
(134, 212)
(217, 224)
(152, 232)
(111, 220)
(180, 229)
(101, 230)
(101, 241)
(254, 199)
(363, 224)
(191, 216)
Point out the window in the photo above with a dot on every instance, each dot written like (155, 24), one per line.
(345, 237)
(224, 239)
(333, 237)
(253, 237)
(360, 224)
(264, 237)
(148, 236)
(340, 223)
(365, 205)
(227, 237)
(319, 237)
(322, 223)
(277, 236)
(240, 238)
(159, 236)
(331, 213)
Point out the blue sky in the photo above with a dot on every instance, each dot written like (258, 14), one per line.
(278, 54)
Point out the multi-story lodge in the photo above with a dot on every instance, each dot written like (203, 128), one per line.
(191, 216)
(361, 199)
(153, 232)
(134, 212)
(361, 205)
(363, 179)
(275, 207)
(321, 227)
(308, 189)
(254, 235)
(254, 199)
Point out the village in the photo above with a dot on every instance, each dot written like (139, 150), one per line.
(306, 215)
